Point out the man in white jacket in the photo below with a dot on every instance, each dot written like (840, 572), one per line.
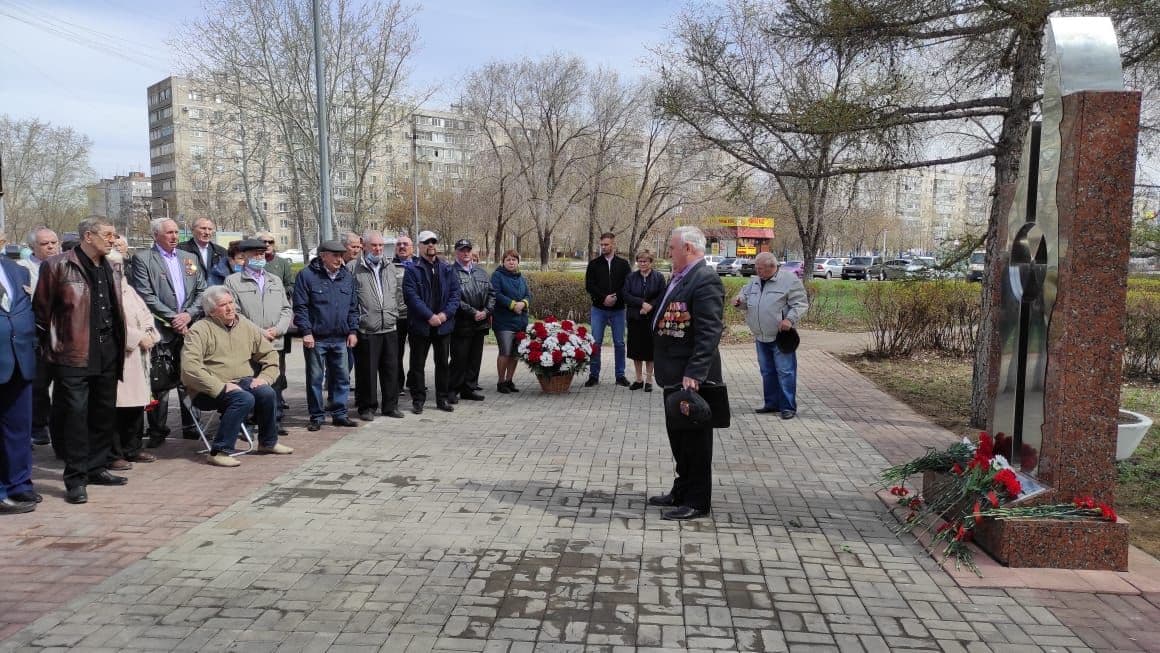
(774, 301)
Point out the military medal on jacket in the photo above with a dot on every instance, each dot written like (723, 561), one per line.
(675, 320)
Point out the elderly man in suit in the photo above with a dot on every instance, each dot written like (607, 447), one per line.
(687, 329)
(44, 243)
(209, 254)
(17, 372)
(171, 283)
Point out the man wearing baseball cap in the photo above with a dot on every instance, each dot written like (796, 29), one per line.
(431, 291)
(476, 302)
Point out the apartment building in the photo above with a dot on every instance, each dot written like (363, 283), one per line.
(126, 200)
(209, 158)
(931, 205)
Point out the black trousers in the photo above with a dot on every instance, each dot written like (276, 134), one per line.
(466, 357)
(376, 372)
(85, 415)
(41, 404)
(417, 377)
(693, 453)
(130, 429)
(401, 334)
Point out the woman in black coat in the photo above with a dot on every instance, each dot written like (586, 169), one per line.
(642, 290)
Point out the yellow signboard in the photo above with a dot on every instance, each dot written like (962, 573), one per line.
(746, 250)
(742, 221)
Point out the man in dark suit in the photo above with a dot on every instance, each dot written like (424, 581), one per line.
(17, 372)
(209, 254)
(687, 329)
(171, 283)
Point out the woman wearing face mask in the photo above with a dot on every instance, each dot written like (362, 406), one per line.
(260, 297)
(133, 392)
(511, 315)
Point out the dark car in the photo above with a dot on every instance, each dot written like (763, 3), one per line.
(748, 267)
(863, 267)
(729, 267)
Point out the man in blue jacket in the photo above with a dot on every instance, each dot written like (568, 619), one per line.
(326, 314)
(431, 291)
(17, 372)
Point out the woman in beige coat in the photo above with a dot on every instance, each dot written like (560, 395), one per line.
(133, 392)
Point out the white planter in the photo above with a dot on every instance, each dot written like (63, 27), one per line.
(1130, 436)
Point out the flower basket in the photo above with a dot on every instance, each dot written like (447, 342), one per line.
(555, 385)
(555, 351)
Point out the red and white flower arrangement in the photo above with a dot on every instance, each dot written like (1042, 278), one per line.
(976, 484)
(552, 347)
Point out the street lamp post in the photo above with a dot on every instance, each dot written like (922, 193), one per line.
(415, 174)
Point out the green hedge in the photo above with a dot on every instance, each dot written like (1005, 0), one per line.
(908, 316)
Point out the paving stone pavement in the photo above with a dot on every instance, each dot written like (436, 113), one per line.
(519, 524)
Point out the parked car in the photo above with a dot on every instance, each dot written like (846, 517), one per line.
(915, 267)
(294, 255)
(748, 267)
(863, 267)
(976, 265)
(729, 267)
(797, 267)
(828, 268)
(712, 260)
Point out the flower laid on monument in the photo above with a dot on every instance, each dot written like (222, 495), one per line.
(975, 484)
(552, 347)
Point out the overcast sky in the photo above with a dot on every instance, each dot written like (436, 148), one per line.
(87, 63)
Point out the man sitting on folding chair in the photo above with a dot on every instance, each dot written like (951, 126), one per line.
(227, 365)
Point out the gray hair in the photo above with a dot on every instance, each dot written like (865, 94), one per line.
(156, 225)
(765, 258)
(211, 297)
(203, 219)
(351, 233)
(691, 235)
(92, 224)
(369, 233)
(31, 239)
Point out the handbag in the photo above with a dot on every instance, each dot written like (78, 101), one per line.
(164, 367)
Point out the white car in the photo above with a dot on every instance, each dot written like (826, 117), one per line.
(828, 268)
(712, 260)
(294, 255)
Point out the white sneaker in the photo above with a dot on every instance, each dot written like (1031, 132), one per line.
(280, 449)
(222, 460)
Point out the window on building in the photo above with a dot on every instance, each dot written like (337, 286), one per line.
(194, 95)
(282, 208)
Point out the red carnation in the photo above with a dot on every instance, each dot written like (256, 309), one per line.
(579, 355)
(1085, 502)
(993, 498)
(541, 330)
(557, 357)
(986, 446)
(562, 338)
(520, 335)
(1106, 512)
(567, 325)
(550, 319)
(957, 469)
(1010, 483)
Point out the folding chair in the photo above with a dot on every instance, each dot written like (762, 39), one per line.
(201, 429)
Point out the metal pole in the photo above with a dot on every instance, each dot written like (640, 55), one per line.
(324, 216)
(415, 174)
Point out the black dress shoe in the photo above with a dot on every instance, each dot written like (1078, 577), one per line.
(453, 399)
(367, 415)
(788, 414)
(682, 513)
(30, 496)
(105, 478)
(417, 407)
(40, 436)
(155, 441)
(394, 413)
(591, 382)
(648, 387)
(314, 425)
(77, 494)
(662, 500)
(10, 506)
(284, 406)
(766, 409)
(512, 387)
(343, 421)
(636, 385)
(620, 380)
(502, 388)
(445, 407)
(471, 396)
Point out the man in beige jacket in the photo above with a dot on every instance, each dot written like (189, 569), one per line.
(218, 367)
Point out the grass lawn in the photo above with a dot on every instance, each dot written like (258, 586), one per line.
(940, 389)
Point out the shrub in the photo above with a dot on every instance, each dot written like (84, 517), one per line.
(559, 293)
(922, 315)
(1142, 334)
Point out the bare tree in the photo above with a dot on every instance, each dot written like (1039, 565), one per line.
(45, 172)
(615, 112)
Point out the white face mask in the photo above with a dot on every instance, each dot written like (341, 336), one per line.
(115, 256)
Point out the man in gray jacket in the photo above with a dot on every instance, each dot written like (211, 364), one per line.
(380, 295)
(774, 301)
(476, 303)
(261, 298)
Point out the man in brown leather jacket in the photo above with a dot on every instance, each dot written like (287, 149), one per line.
(81, 327)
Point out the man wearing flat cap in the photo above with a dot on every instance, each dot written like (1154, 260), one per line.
(261, 298)
(774, 302)
(687, 328)
(476, 302)
(431, 290)
(326, 314)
